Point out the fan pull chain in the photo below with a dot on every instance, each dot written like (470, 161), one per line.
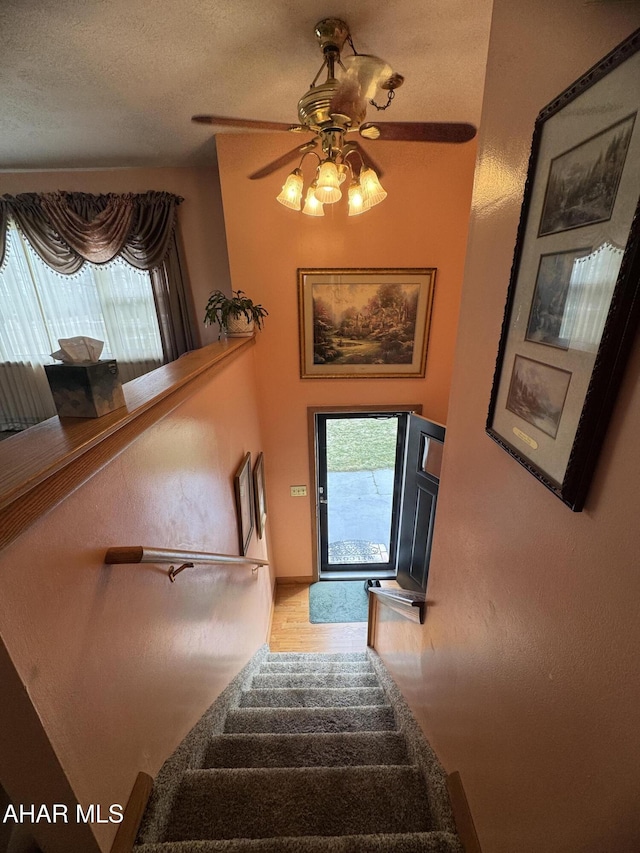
(390, 96)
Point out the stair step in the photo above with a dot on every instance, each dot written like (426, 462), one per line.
(317, 656)
(314, 679)
(315, 667)
(306, 720)
(414, 842)
(312, 697)
(291, 775)
(306, 750)
(270, 802)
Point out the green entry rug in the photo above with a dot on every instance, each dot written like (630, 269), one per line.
(338, 601)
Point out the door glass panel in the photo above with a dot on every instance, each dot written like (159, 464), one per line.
(361, 460)
(432, 456)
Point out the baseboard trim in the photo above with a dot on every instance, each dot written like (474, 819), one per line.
(271, 611)
(285, 579)
(137, 803)
(462, 814)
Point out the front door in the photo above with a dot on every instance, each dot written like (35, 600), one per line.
(359, 472)
(425, 443)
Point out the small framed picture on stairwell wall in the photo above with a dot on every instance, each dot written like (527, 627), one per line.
(259, 495)
(244, 503)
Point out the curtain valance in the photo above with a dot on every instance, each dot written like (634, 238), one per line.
(66, 229)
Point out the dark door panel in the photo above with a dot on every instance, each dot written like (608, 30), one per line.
(425, 515)
(425, 442)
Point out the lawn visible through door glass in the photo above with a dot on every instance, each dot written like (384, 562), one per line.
(361, 457)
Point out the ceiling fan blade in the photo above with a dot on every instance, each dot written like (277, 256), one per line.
(287, 158)
(247, 123)
(418, 131)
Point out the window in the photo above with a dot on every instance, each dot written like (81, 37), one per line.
(113, 302)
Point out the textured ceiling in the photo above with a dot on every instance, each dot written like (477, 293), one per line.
(103, 83)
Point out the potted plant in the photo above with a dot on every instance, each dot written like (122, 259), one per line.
(236, 315)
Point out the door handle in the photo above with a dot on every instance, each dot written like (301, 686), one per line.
(322, 501)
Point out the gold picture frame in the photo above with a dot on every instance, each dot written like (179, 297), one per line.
(364, 323)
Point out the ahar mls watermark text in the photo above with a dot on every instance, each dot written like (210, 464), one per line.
(60, 813)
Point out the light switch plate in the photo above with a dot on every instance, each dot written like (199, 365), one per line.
(298, 491)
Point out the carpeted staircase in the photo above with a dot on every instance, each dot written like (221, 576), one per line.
(303, 753)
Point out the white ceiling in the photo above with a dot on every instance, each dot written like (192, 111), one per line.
(105, 83)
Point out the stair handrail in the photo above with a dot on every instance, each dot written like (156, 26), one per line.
(408, 603)
(404, 597)
(130, 554)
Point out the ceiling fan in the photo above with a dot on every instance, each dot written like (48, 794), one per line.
(335, 109)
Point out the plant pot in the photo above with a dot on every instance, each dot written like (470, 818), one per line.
(239, 327)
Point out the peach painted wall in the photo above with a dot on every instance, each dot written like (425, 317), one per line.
(118, 662)
(525, 675)
(422, 223)
(200, 215)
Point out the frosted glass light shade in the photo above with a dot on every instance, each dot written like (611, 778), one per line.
(291, 195)
(312, 207)
(371, 186)
(328, 190)
(357, 202)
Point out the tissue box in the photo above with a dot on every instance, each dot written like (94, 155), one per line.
(85, 390)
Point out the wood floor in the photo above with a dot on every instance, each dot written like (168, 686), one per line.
(291, 630)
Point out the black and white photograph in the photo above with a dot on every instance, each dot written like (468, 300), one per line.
(537, 393)
(546, 324)
(583, 182)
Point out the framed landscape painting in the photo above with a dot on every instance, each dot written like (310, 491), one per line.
(573, 302)
(370, 324)
(244, 503)
(550, 297)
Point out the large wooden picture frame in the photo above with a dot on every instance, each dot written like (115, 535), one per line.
(364, 324)
(574, 295)
(244, 503)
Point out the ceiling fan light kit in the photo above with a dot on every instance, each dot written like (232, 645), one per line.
(356, 199)
(291, 193)
(313, 207)
(371, 186)
(328, 190)
(333, 109)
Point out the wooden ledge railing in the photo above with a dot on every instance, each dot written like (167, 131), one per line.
(131, 554)
(409, 604)
(42, 465)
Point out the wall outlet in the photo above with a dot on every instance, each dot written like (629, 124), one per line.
(298, 491)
